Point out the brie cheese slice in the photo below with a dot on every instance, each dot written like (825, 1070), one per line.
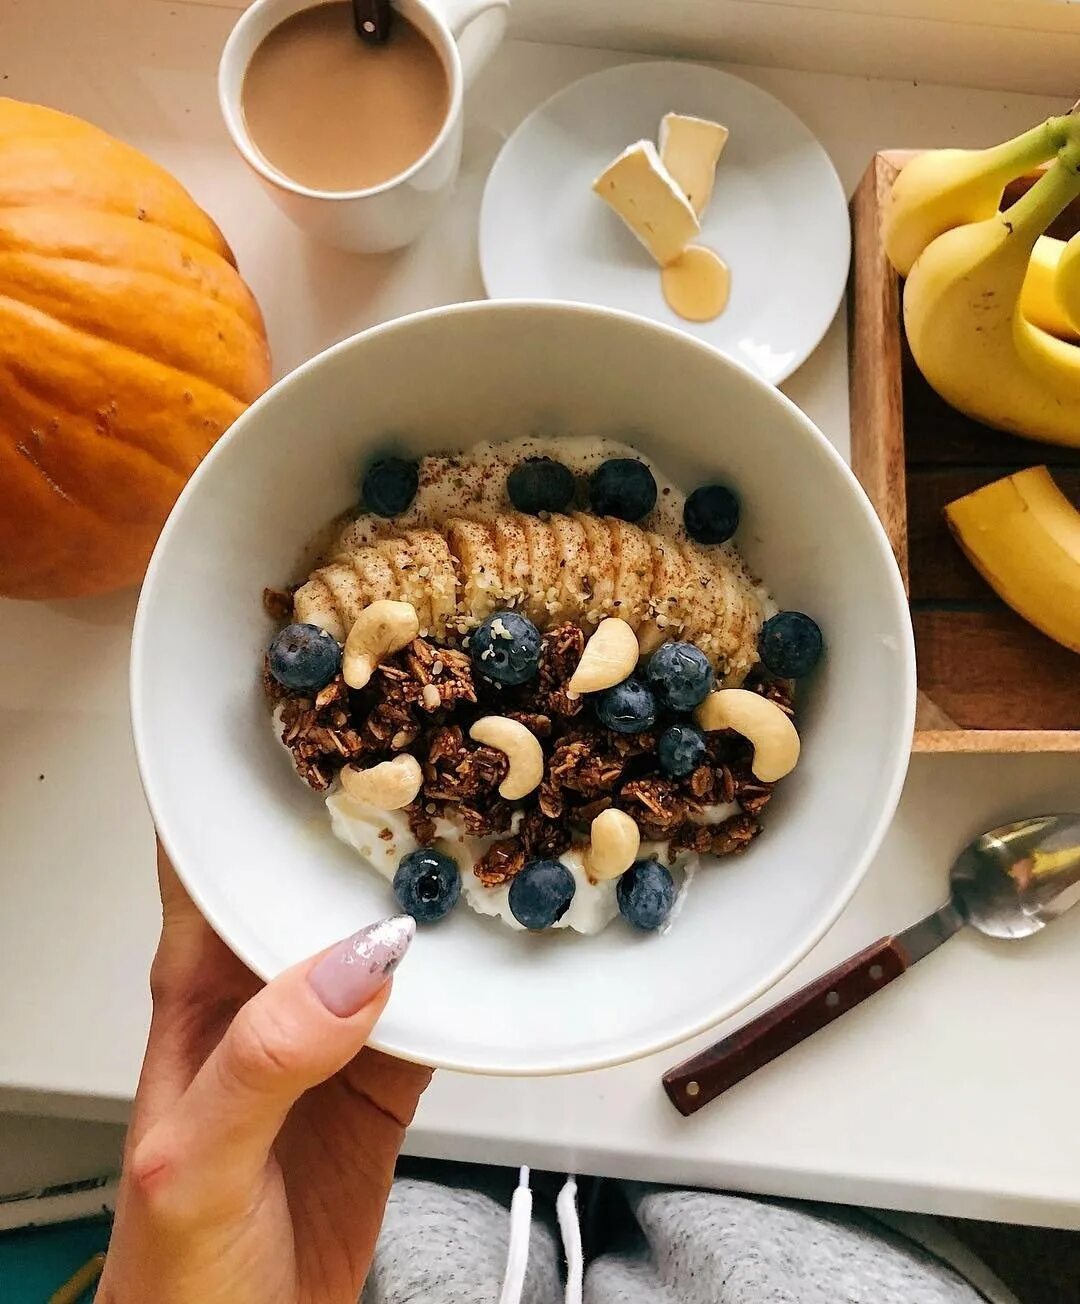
(639, 188)
(690, 149)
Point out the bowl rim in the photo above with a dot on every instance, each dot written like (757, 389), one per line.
(898, 765)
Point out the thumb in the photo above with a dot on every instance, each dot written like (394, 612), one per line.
(298, 1031)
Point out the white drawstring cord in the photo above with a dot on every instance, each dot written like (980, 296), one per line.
(570, 1231)
(517, 1253)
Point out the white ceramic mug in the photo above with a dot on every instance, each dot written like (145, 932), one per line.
(464, 32)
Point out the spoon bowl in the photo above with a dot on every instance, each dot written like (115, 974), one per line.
(1012, 881)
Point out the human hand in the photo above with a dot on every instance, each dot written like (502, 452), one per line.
(264, 1136)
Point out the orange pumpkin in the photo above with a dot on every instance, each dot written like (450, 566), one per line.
(128, 344)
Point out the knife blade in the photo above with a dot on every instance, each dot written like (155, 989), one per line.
(929, 933)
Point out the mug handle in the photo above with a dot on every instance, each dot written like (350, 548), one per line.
(477, 26)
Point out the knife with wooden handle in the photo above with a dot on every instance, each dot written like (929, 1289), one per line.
(707, 1075)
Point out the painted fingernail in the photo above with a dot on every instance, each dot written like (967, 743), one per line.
(347, 977)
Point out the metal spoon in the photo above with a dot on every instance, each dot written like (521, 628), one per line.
(1010, 882)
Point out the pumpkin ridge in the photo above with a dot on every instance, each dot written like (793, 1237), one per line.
(35, 575)
(52, 301)
(180, 372)
(225, 253)
(18, 384)
(23, 450)
(245, 305)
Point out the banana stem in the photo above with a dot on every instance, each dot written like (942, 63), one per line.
(1028, 150)
(1059, 185)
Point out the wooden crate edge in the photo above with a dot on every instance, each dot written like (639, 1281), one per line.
(995, 741)
(875, 391)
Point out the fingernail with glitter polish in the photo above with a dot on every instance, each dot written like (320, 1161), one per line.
(348, 976)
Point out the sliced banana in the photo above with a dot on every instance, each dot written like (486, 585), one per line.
(436, 572)
(669, 587)
(512, 545)
(601, 567)
(575, 567)
(347, 589)
(703, 598)
(362, 532)
(473, 544)
(575, 583)
(735, 637)
(542, 594)
(410, 587)
(726, 613)
(649, 637)
(314, 604)
(633, 572)
(379, 578)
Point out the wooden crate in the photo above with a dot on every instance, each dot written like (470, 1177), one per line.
(988, 681)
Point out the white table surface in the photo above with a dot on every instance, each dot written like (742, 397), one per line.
(953, 1091)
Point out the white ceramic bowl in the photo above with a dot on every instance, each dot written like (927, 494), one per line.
(253, 845)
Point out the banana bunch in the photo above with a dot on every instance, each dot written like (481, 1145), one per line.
(991, 306)
(577, 568)
(946, 188)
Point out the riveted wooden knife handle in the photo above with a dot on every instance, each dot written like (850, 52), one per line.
(704, 1077)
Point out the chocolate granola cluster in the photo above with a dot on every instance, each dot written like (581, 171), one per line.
(424, 700)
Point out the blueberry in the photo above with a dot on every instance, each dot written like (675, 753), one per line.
(389, 486)
(541, 893)
(645, 893)
(790, 644)
(711, 514)
(680, 675)
(304, 657)
(540, 484)
(627, 708)
(680, 750)
(427, 885)
(622, 487)
(506, 648)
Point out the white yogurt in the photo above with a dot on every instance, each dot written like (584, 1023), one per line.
(363, 828)
(594, 906)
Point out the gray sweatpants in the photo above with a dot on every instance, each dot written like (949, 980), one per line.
(446, 1244)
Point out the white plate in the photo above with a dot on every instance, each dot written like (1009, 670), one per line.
(254, 845)
(778, 215)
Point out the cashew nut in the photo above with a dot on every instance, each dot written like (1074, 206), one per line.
(615, 843)
(390, 785)
(380, 629)
(522, 749)
(649, 638)
(610, 656)
(761, 722)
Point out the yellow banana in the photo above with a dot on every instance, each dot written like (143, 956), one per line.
(1041, 299)
(1067, 284)
(1023, 536)
(964, 324)
(947, 188)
